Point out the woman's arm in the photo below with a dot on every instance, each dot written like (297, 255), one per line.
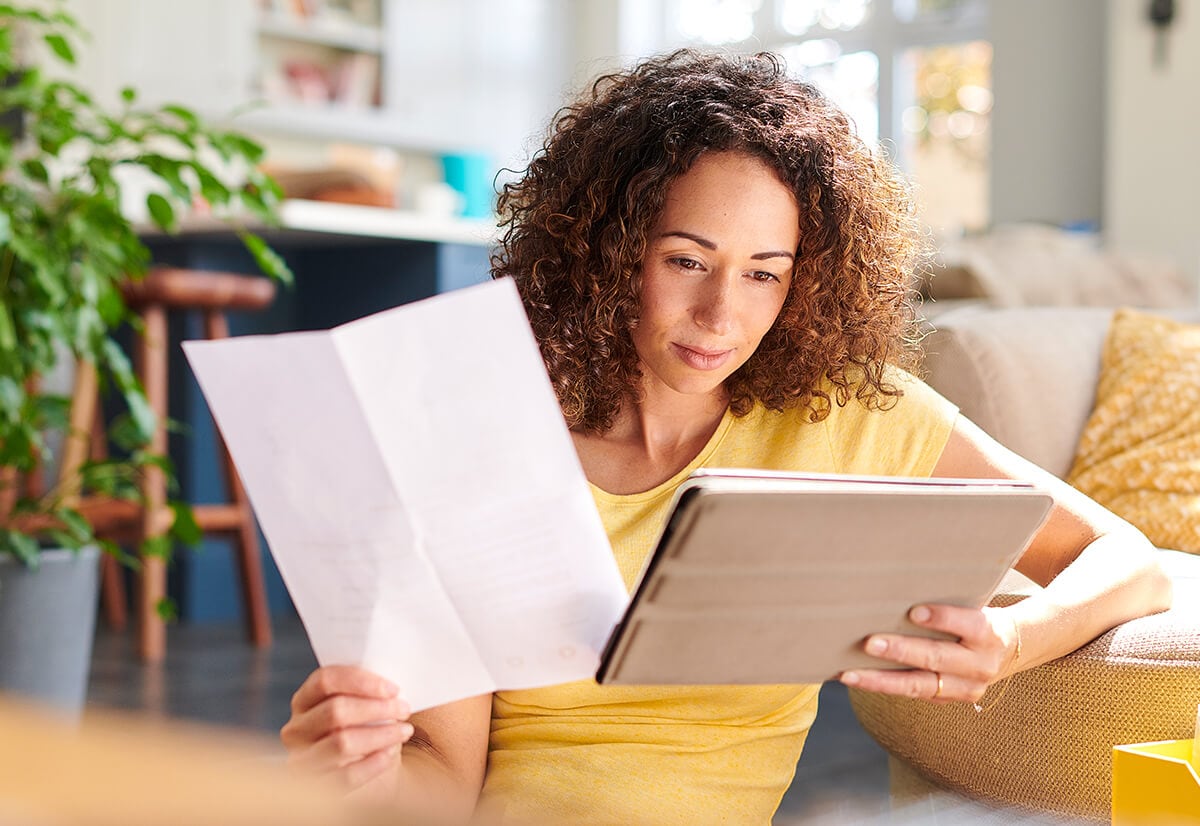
(352, 725)
(445, 761)
(1096, 570)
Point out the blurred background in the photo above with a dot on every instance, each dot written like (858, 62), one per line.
(1076, 113)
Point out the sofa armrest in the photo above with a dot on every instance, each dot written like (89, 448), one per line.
(1047, 742)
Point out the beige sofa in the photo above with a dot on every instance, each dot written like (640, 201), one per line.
(1027, 376)
(1035, 265)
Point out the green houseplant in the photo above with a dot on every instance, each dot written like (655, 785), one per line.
(66, 247)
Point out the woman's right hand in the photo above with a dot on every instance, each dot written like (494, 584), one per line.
(350, 724)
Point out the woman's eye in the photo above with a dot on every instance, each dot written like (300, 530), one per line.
(686, 263)
(764, 276)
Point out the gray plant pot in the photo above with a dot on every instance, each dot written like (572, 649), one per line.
(47, 619)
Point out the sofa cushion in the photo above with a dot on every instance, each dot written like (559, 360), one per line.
(1026, 376)
(1139, 454)
(1018, 265)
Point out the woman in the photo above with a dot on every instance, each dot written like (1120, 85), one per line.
(716, 269)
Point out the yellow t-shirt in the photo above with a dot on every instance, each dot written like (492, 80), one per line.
(586, 753)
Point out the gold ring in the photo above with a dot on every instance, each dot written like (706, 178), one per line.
(937, 693)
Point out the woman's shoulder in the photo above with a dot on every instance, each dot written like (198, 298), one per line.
(893, 435)
(898, 434)
(838, 403)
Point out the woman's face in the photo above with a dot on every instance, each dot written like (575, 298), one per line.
(716, 273)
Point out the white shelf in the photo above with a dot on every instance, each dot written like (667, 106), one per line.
(346, 123)
(374, 222)
(339, 35)
(300, 218)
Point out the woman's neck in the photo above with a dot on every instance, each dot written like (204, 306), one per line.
(661, 425)
(650, 441)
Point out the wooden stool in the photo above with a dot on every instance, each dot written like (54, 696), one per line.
(162, 290)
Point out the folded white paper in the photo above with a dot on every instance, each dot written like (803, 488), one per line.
(418, 488)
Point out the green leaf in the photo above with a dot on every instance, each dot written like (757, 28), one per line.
(111, 307)
(185, 115)
(180, 427)
(35, 170)
(271, 187)
(211, 187)
(129, 94)
(49, 282)
(267, 259)
(8, 333)
(77, 527)
(168, 169)
(184, 528)
(5, 228)
(52, 410)
(12, 396)
(22, 546)
(157, 460)
(17, 449)
(59, 45)
(127, 434)
(110, 477)
(62, 539)
(141, 413)
(156, 546)
(167, 609)
(252, 151)
(161, 211)
(126, 559)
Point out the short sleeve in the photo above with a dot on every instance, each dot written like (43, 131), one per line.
(905, 439)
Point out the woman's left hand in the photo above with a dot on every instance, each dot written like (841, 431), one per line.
(954, 670)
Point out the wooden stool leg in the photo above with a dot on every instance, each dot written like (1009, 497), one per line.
(152, 351)
(112, 593)
(113, 599)
(254, 594)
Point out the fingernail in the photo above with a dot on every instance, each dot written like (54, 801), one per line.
(389, 688)
(920, 614)
(876, 645)
(850, 678)
(406, 731)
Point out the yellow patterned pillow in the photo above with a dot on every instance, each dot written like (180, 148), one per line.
(1139, 455)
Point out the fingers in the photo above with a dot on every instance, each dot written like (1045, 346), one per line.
(976, 650)
(346, 722)
(941, 670)
(346, 748)
(341, 679)
(967, 624)
(338, 713)
(352, 775)
(919, 652)
(917, 684)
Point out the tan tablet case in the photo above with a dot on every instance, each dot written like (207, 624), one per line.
(778, 578)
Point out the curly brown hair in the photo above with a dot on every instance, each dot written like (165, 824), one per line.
(578, 220)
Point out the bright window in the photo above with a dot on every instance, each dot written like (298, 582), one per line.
(913, 75)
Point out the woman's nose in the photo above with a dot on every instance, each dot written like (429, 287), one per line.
(714, 308)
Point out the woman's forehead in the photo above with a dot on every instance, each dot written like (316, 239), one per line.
(730, 193)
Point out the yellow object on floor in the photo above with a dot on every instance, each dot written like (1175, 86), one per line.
(1155, 783)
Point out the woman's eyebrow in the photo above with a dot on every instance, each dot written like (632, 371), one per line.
(710, 245)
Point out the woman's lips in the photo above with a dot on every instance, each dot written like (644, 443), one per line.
(702, 359)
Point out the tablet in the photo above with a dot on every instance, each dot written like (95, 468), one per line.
(763, 577)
